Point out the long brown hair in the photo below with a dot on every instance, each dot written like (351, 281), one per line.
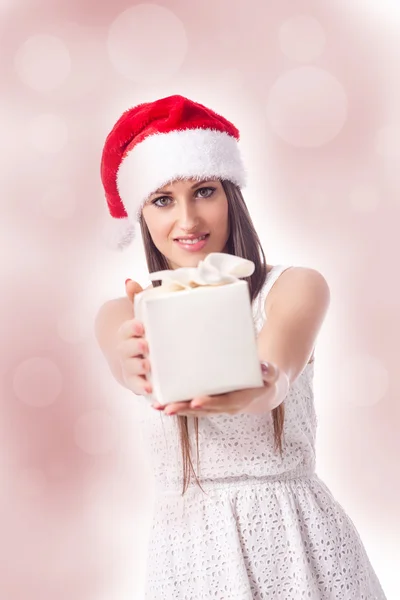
(243, 241)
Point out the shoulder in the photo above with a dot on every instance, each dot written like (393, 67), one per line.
(299, 287)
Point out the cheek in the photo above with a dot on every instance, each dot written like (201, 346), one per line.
(157, 227)
(220, 218)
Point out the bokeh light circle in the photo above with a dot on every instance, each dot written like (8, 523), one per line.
(307, 107)
(43, 62)
(37, 381)
(147, 43)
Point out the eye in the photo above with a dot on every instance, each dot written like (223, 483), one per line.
(205, 192)
(158, 200)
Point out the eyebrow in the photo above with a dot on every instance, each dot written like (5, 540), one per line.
(192, 187)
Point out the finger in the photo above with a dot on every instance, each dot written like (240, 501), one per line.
(133, 348)
(175, 407)
(270, 372)
(192, 414)
(185, 411)
(137, 366)
(189, 413)
(131, 328)
(212, 403)
(139, 384)
(158, 406)
(132, 288)
(217, 405)
(217, 410)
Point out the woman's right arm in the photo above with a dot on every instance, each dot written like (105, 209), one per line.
(107, 324)
(121, 340)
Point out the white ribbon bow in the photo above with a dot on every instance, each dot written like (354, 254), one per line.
(217, 268)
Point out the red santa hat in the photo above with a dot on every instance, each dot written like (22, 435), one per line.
(158, 142)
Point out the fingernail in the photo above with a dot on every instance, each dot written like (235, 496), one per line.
(126, 280)
(265, 367)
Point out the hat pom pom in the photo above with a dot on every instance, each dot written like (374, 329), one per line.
(118, 234)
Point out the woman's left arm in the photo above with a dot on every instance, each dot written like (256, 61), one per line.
(295, 309)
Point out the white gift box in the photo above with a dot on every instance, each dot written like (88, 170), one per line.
(201, 335)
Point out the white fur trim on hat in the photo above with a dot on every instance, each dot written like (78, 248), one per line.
(163, 157)
(118, 233)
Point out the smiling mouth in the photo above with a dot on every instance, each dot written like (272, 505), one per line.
(192, 241)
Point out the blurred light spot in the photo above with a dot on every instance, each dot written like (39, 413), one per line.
(58, 202)
(43, 62)
(307, 107)
(96, 432)
(147, 43)
(75, 326)
(362, 380)
(48, 133)
(37, 382)
(302, 38)
(364, 198)
(31, 482)
(388, 142)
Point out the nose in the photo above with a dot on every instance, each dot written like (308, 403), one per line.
(187, 216)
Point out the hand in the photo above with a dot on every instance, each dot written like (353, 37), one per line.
(133, 350)
(232, 403)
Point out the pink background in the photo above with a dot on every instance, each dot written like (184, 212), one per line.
(314, 90)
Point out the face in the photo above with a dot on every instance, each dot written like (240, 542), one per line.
(188, 209)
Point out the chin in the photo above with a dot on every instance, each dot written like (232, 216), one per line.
(190, 261)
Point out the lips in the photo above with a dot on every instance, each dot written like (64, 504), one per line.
(193, 246)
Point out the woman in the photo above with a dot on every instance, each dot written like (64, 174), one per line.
(256, 521)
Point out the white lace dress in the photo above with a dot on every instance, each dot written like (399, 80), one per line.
(267, 526)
